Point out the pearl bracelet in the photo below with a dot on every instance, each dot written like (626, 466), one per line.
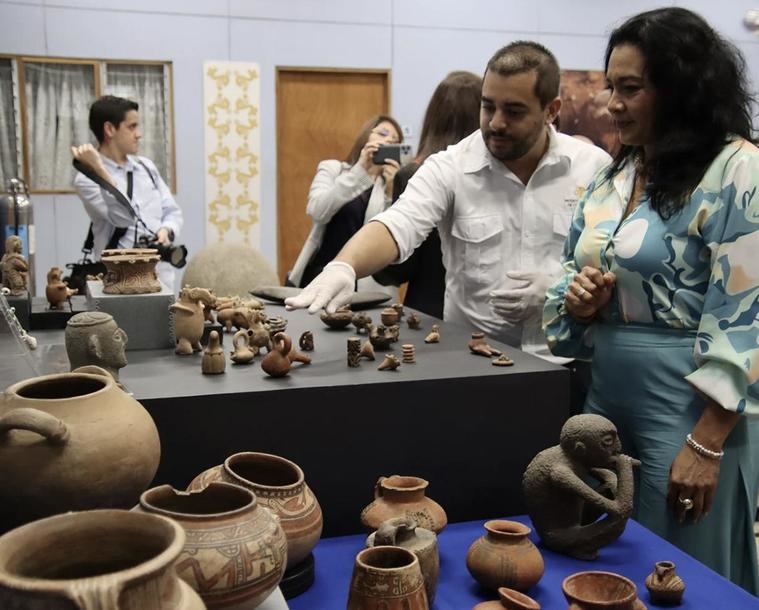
(701, 450)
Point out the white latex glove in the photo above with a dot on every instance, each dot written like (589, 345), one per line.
(329, 290)
(520, 302)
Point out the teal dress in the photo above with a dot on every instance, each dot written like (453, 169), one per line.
(682, 326)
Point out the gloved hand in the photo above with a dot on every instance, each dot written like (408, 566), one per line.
(526, 298)
(329, 290)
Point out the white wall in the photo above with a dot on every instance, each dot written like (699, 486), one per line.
(419, 40)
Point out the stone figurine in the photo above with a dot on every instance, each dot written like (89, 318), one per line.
(189, 318)
(57, 291)
(14, 267)
(213, 362)
(94, 338)
(563, 506)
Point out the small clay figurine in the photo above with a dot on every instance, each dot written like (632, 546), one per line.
(408, 353)
(479, 346)
(390, 363)
(354, 352)
(14, 267)
(414, 321)
(389, 316)
(57, 291)
(664, 586)
(94, 338)
(276, 363)
(379, 337)
(434, 336)
(503, 360)
(242, 352)
(189, 318)
(259, 333)
(367, 351)
(563, 506)
(213, 362)
(361, 321)
(398, 308)
(306, 341)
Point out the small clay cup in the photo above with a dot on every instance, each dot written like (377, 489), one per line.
(601, 591)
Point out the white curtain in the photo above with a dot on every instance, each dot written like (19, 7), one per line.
(58, 103)
(145, 84)
(8, 159)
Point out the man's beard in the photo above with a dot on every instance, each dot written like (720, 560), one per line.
(515, 149)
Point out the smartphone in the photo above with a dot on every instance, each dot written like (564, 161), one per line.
(399, 152)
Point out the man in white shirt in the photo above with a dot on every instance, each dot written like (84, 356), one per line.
(502, 200)
(156, 217)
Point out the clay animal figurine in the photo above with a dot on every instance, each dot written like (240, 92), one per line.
(306, 341)
(14, 266)
(57, 291)
(390, 363)
(379, 337)
(563, 506)
(260, 337)
(367, 351)
(664, 585)
(94, 338)
(361, 321)
(414, 322)
(480, 347)
(276, 363)
(434, 336)
(242, 353)
(213, 362)
(189, 318)
(389, 316)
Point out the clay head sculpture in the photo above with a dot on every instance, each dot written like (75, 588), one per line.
(93, 337)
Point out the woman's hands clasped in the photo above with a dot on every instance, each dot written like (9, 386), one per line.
(588, 293)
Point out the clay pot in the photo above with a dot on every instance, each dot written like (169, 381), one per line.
(387, 578)
(73, 441)
(338, 320)
(389, 316)
(505, 557)
(402, 496)
(510, 599)
(213, 361)
(130, 271)
(276, 363)
(404, 533)
(664, 586)
(601, 591)
(242, 354)
(235, 552)
(275, 324)
(94, 560)
(279, 485)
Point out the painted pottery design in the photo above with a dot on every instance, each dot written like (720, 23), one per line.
(242, 352)
(338, 320)
(387, 578)
(189, 318)
(276, 363)
(235, 552)
(664, 585)
(57, 291)
(404, 533)
(280, 486)
(94, 338)
(72, 441)
(213, 361)
(63, 563)
(505, 557)
(601, 591)
(130, 271)
(403, 496)
(510, 599)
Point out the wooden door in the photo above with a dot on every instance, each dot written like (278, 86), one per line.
(319, 113)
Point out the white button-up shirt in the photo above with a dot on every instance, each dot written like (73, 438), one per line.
(490, 223)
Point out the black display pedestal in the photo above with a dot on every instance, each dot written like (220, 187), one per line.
(22, 305)
(299, 578)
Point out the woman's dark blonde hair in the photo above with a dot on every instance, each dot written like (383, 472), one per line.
(366, 130)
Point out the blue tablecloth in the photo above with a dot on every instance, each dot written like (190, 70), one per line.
(633, 556)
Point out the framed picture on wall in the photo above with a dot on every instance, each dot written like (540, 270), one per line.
(583, 108)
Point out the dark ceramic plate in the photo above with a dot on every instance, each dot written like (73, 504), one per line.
(278, 294)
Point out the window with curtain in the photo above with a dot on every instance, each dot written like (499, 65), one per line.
(58, 97)
(147, 85)
(9, 167)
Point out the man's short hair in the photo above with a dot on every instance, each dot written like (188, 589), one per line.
(523, 56)
(109, 109)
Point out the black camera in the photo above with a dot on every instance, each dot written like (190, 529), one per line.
(175, 255)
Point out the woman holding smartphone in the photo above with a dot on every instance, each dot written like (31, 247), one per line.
(344, 196)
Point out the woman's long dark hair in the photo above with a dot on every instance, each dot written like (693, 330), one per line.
(363, 135)
(702, 100)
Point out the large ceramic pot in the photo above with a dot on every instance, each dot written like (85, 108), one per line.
(235, 553)
(505, 557)
(387, 578)
(280, 486)
(601, 591)
(72, 441)
(94, 560)
(401, 496)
